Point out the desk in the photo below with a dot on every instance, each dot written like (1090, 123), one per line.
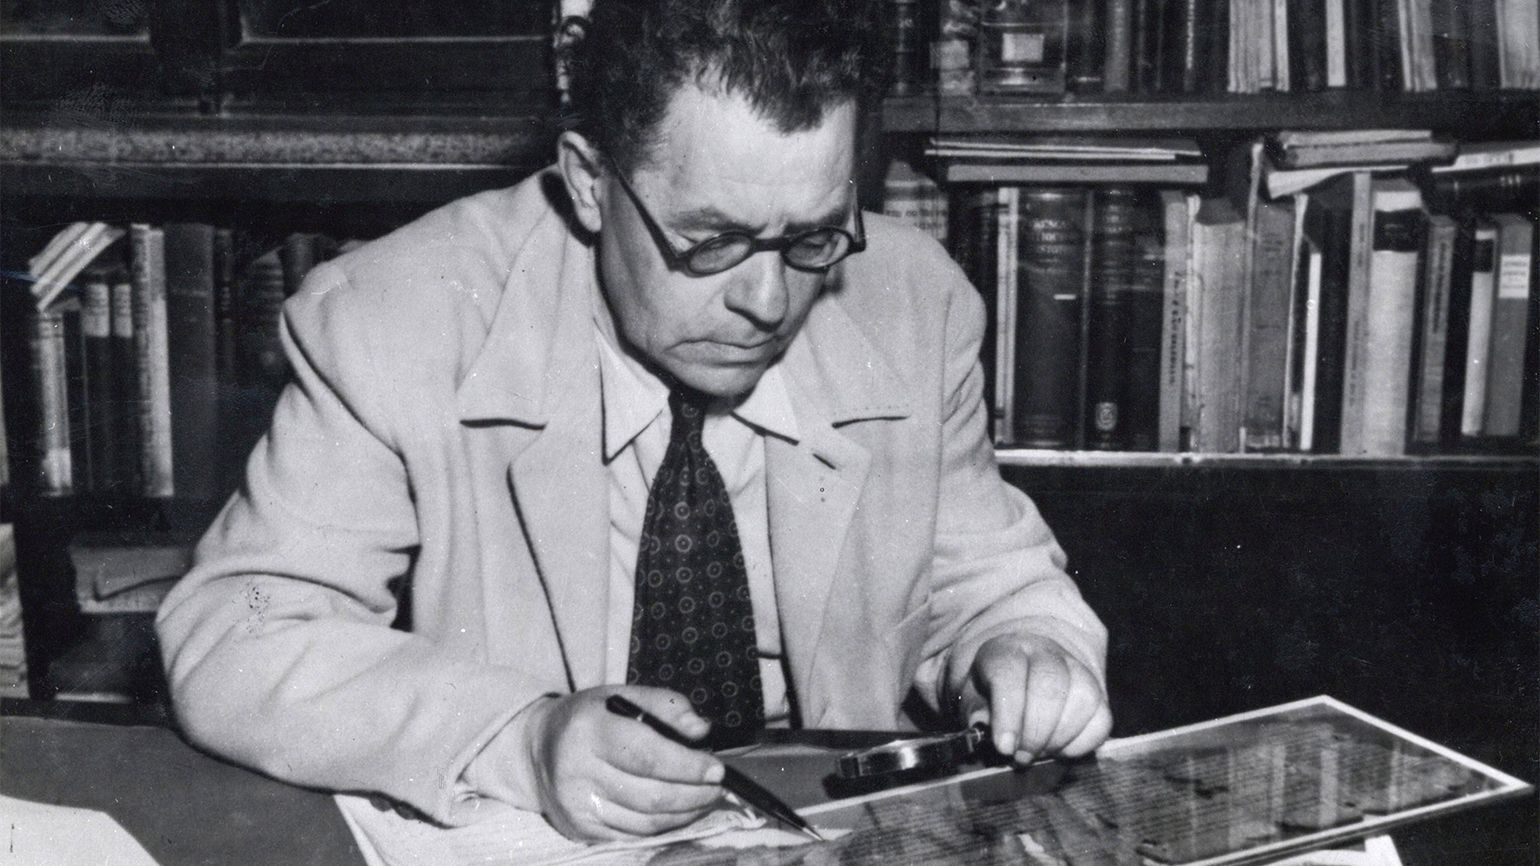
(184, 807)
(187, 808)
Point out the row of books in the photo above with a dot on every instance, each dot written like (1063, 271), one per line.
(1213, 46)
(13, 653)
(156, 368)
(1346, 318)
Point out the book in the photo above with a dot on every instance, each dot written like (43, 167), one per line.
(971, 241)
(1305, 334)
(1386, 45)
(50, 383)
(153, 361)
(1484, 155)
(1177, 213)
(1185, 173)
(101, 390)
(13, 651)
(1356, 346)
(1145, 328)
(1478, 335)
(1432, 335)
(1518, 47)
(905, 45)
(1510, 325)
(1389, 317)
(1047, 329)
(1451, 43)
(1008, 273)
(118, 574)
(1328, 230)
(1264, 358)
(1315, 156)
(1359, 34)
(1485, 68)
(77, 397)
(126, 398)
(914, 198)
(1218, 277)
(1084, 60)
(1307, 37)
(1334, 34)
(54, 275)
(1117, 46)
(191, 340)
(1457, 332)
(1114, 263)
(1419, 73)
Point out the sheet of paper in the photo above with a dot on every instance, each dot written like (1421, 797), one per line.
(506, 837)
(42, 834)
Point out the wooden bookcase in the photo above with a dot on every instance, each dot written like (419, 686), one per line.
(1406, 585)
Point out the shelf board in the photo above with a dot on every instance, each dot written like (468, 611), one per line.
(1512, 113)
(277, 157)
(1031, 457)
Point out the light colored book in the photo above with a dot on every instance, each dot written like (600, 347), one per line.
(1478, 340)
(1390, 314)
(1510, 325)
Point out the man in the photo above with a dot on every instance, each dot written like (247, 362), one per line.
(673, 419)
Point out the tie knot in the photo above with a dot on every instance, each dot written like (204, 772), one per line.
(688, 408)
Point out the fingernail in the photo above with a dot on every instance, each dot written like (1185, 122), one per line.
(1005, 743)
(714, 774)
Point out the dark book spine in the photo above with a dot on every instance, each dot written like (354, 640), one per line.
(976, 222)
(126, 397)
(1148, 43)
(195, 434)
(1491, 191)
(262, 291)
(1451, 43)
(1307, 44)
(100, 378)
(77, 397)
(1118, 46)
(1358, 33)
(1185, 67)
(1114, 265)
(1085, 57)
(1387, 45)
(1529, 403)
(1331, 227)
(1216, 59)
(50, 379)
(1432, 333)
(1485, 44)
(906, 45)
(1145, 314)
(1052, 251)
(1461, 270)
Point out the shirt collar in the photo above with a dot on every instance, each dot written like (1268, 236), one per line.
(633, 397)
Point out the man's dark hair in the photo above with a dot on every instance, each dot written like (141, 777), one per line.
(791, 59)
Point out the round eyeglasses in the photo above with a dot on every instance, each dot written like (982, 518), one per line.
(813, 250)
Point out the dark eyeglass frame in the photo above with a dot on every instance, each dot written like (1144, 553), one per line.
(681, 261)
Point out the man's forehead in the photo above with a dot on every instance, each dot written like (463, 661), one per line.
(713, 145)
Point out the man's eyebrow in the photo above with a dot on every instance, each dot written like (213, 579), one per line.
(708, 218)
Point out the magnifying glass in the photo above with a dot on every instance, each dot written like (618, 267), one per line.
(930, 753)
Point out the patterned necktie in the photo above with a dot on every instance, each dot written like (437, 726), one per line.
(692, 628)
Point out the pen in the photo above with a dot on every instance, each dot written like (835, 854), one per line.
(746, 789)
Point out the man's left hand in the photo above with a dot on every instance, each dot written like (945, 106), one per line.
(1040, 701)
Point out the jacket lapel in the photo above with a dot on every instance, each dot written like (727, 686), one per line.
(539, 369)
(836, 377)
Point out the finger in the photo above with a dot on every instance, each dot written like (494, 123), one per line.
(670, 708)
(1084, 695)
(1001, 669)
(649, 796)
(1093, 735)
(640, 752)
(1047, 687)
(622, 822)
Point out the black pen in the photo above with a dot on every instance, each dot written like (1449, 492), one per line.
(746, 789)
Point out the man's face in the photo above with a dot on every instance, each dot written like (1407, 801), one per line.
(718, 167)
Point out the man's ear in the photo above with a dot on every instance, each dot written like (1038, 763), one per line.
(581, 170)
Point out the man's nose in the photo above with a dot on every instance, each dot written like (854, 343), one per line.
(758, 290)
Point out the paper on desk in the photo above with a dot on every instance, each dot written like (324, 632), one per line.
(42, 834)
(505, 836)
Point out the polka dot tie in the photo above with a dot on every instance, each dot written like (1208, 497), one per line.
(692, 629)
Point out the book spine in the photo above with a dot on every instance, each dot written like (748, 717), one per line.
(1007, 291)
(262, 291)
(1451, 43)
(1114, 262)
(100, 379)
(1221, 272)
(1478, 335)
(1145, 334)
(1117, 57)
(1306, 360)
(1360, 26)
(904, 45)
(1360, 252)
(1265, 367)
(1461, 264)
(77, 395)
(1053, 239)
(1510, 326)
(1387, 45)
(152, 352)
(1484, 42)
(972, 241)
(126, 398)
(1085, 58)
(1307, 44)
(191, 339)
(1175, 263)
(1387, 356)
(1419, 29)
(1217, 61)
(1335, 36)
(49, 377)
(1433, 331)
(1330, 228)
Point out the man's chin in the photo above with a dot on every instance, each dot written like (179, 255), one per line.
(722, 381)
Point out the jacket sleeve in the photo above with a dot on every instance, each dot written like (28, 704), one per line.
(278, 644)
(997, 568)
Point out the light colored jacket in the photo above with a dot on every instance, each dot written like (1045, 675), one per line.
(436, 464)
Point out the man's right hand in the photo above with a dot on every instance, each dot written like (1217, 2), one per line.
(601, 777)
